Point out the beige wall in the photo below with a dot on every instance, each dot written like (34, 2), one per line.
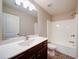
(49, 29)
(0, 6)
(0, 19)
(42, 22)
(26, 21)
(43, 16)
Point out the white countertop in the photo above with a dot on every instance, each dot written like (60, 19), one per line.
(13, 49)
(11, 40)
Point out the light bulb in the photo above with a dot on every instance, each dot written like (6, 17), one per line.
(26, 3)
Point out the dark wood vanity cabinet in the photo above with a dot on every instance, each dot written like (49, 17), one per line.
(42, 54)
(37, 52)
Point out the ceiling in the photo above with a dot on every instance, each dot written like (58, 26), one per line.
(11, 3)
(55, 7)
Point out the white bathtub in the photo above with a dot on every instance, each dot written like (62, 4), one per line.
(66, 50)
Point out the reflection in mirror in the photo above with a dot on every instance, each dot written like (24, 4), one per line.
(11, 25)
(16, 20)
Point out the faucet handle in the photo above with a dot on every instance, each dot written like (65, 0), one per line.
(71, 42)
(18, 34)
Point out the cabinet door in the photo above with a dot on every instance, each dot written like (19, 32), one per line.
(33, 57)
(42, 54)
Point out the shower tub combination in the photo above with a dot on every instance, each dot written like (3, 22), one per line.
(64, 50)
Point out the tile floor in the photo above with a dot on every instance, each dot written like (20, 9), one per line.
(59, 55)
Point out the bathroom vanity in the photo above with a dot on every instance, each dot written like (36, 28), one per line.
(33, 49)
(37, 52)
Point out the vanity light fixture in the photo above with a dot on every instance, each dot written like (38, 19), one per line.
(26, 4)
(18, 2)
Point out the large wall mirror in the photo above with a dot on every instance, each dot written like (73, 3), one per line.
(18, 19)
(11, 25)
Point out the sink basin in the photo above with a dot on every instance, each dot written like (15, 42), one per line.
(27, 42)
